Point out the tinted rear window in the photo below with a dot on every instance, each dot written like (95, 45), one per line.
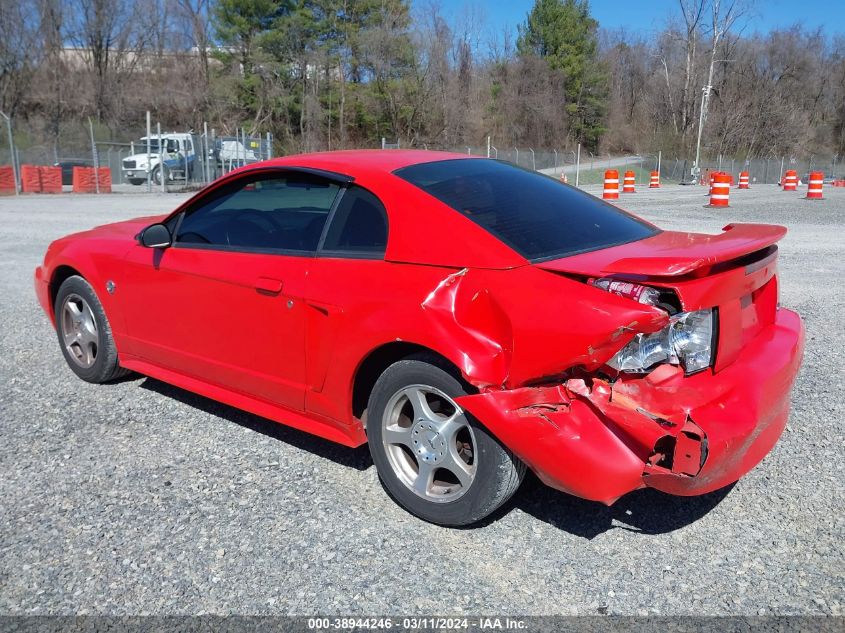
(535, 215)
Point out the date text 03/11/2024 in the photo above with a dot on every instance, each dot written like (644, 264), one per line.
(416, 623)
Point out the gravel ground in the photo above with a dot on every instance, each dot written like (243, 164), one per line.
(139, 498)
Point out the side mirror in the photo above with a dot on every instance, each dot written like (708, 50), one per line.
(156, 236)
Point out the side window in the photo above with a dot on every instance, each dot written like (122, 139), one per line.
(264, 211)
(359, 224)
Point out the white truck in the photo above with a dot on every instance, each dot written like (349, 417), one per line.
(174, 160)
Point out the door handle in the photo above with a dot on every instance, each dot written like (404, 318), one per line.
(268, 285)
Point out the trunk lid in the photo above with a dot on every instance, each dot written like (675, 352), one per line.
(671, 254)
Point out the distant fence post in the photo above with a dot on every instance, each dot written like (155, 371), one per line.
(149, 171)
(12, 153)
(578, 165)
(533, 162)
(555, 153)
(161, 175)
(94, 155)
(204, 149)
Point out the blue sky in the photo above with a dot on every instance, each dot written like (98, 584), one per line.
(649, 15)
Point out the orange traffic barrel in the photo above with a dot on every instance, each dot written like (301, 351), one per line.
(629, 182)
(720, 190)
(743, 180)
(654, 183)
(790, 180)
(814, 185)
(611, 185)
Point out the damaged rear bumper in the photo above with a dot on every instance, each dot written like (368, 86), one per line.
(682, 435)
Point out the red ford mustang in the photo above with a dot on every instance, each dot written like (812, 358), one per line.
(464, 317)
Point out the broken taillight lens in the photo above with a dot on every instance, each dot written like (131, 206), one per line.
(629, 290)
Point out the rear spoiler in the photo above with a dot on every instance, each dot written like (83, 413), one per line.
(673, 254)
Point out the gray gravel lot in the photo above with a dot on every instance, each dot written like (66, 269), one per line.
(140, 498)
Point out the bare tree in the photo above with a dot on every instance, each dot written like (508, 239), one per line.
(692, 12)
(195, 14)
(18, 52)
(104, 31)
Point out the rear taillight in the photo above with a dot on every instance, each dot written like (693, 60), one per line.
(628, 289)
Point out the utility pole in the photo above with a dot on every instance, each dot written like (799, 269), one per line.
(696, 167)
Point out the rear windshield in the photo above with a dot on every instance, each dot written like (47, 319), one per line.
(536, 215)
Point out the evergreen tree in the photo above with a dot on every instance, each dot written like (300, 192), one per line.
(564, 34)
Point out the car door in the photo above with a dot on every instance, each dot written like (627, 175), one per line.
(348, 281)
(224, 302)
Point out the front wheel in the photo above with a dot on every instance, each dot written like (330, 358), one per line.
(435, 459)
(84, 332)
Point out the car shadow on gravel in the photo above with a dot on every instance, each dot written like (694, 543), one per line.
(357, 458)
(646, 511)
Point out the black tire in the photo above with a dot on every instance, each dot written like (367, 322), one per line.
(137, 181)
(105, 365)
(498, 471)
(159, 172)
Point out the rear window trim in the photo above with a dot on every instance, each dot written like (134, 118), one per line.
(543, 258)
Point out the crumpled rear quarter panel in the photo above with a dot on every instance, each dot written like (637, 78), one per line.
(597, 441)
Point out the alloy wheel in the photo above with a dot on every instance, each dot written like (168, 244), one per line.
(79, 331)
(429, 443)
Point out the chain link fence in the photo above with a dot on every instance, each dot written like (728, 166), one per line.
(577, 166)
(165, 160)
(162, 160)
(767, 171)
(585, 168)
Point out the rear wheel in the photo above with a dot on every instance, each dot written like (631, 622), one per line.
(84, 333)
(434, 458)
